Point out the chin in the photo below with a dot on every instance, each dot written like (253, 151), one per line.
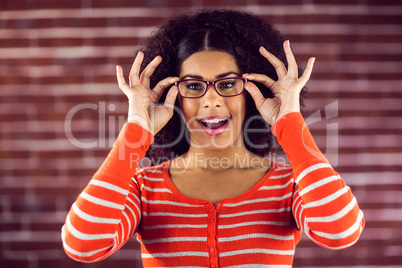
(219, 142)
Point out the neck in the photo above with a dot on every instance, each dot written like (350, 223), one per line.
(234, 157)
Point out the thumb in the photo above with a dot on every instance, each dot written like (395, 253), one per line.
(171, 98)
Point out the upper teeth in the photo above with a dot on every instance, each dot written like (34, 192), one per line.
(216, 120)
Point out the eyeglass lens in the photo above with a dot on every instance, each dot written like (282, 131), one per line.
(225, 87)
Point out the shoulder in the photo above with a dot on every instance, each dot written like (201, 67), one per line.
(281, 174)
(146, 175)
(281, 169)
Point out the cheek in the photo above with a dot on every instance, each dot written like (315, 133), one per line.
(238, 108)
(188, 109)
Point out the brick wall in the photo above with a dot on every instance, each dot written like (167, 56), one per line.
(58, 93)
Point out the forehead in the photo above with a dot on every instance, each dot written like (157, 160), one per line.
(209, 64)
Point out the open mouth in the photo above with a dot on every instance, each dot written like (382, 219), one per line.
(214, 126)
(215, 123)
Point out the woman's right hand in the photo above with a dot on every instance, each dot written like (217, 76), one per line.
(143, 102)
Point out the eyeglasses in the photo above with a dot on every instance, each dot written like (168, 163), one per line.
(226, 87)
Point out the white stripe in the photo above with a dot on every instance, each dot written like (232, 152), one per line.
(153, 170)
(101, 202)
(122, 228)
(305, 227)
(129, 222)
(150, 214)
(259, 200)
(165, 202)
(242, 224)
(175, 239)
(156, 190)
(327, 199)
(330, 247)
(256, 250)
(84, 236)
(175, 254)
(187, 267)
(319, 184)
(295, 200)
(256, 265)
(346, 233)
(284, 168)
(109, 186)
(255, 212)
(135, 180)
(83, 254)
(135, 196)
(152, 179)
(116, 243)
(166, 226)
(255, 235)
(299, 221)
(138, 210)
(281, 176)
(335, 216)
(276, 186)
(91, 218)
(310, 169)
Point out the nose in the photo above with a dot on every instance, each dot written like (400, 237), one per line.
(211, 98)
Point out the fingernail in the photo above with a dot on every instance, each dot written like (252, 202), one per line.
(263, 48)
(288, 42)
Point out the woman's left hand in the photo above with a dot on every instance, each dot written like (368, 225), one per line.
(286, 90)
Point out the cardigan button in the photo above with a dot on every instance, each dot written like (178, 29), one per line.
(212, 250)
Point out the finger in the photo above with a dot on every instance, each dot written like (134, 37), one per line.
(171, 98)
(135, 69)
(120, 78)
(149, 70)
(307, 72)
(260, 78)
(255, 94)
(277, 63)
(162, 85)
(292, 65)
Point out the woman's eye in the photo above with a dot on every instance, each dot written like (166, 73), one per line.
(227, 85)
(195, 86)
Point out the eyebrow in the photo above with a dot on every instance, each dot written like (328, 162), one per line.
(194, 76)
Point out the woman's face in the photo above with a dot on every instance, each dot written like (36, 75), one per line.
(214, 121)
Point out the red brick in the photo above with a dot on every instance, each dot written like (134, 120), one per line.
(358, 2)
(39, 180)
(353, 19)
(279, 2)
(142, 3)
(13, 263)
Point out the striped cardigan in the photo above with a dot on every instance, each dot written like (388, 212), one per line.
(259, 228)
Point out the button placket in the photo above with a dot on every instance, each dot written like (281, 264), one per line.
(211, 236)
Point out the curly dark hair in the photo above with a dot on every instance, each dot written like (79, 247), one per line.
(235, 32)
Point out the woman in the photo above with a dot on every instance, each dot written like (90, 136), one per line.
(218, 202)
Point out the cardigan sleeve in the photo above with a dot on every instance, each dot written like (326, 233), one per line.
(324, 207)
(108, 211)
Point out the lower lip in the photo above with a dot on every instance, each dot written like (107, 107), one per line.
(216, 131)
